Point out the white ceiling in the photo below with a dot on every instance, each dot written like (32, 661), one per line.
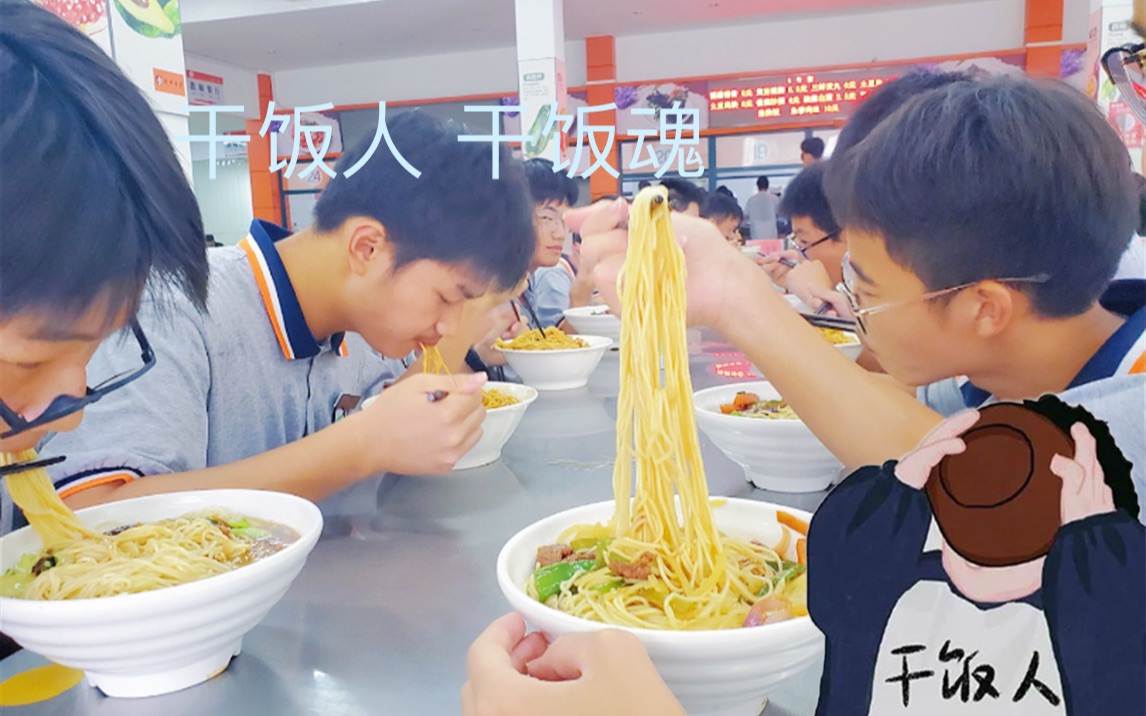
(272, 35)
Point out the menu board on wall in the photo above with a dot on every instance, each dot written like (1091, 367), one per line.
(831, 96)
(821, 97)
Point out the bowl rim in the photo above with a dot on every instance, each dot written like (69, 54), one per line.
(587, 312)
(658, 637)
(530, 394)
(596, 343)
(89, 609)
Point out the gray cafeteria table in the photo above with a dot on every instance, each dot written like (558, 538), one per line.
(402, 579)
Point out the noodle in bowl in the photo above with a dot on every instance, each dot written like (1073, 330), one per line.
(780, 455)
(726, 672)
(156, 642)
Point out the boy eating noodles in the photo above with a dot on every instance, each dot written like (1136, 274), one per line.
(297, 331)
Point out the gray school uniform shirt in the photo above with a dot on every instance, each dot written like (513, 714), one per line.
(245, 378)
(548, 291)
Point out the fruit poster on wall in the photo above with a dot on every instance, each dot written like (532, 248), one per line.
(88, 16)
(652, 99)
(149, 47)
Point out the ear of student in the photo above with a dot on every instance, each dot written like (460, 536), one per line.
(994, 308)
(366, 244)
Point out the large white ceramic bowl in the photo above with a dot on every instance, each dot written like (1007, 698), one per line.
(498, 426)
(594, 321)
(135, 645)
(713, 673)
(779, 455)
(561, 369)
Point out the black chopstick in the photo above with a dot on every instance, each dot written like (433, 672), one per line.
(841, 324)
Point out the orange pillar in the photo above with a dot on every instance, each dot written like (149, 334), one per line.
(1043, 37)
(266, 198)
(601, 73)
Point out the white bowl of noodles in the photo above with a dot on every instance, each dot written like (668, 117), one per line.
(777, 453)
(558, 369)
(848, 342)
(594, 321)
(726, 672)
(171, 638)
(499, 424)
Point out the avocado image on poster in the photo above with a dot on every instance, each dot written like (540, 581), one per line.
(150, 18)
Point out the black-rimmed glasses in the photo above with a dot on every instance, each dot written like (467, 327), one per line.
(793, 241)
(64, 405)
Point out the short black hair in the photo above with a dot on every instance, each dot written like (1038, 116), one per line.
(643, 183)
(1116, 469)
(1004, 177)
(762, 183)
(719, 206)
(722, 189)
(682, 192)
(548, 185)
(95, 203)
(455, 212)
(813, 147)
(880, 104)
(805, 196)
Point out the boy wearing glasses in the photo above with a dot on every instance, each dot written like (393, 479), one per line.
(817, 252)
(76, 133)
(546, 296)
(978, 278)
(262, 391)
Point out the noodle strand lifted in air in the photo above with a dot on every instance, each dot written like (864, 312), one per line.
(34, 493)
(654, 567)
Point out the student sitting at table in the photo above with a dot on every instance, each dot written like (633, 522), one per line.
(958, 285)
(546, 295)
(723, 211)
(297, 328)
(818, 247)
(77, 133)
(559, 287)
